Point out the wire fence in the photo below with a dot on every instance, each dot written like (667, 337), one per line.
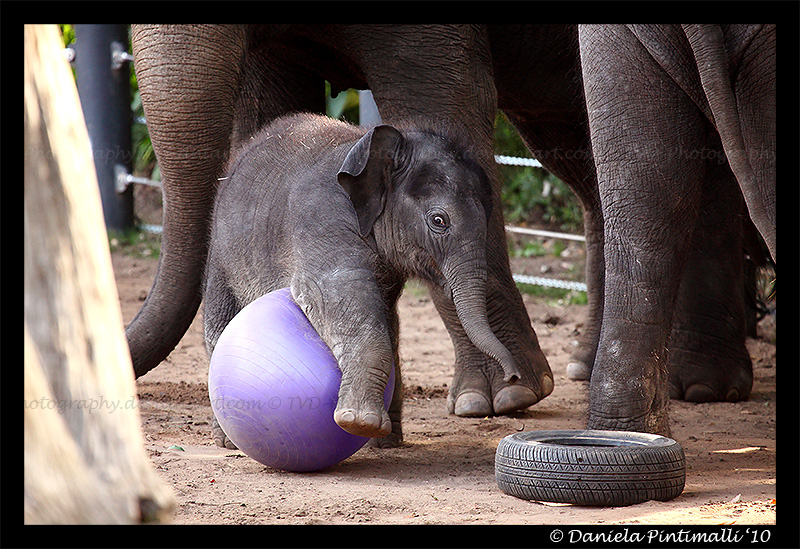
(539, 280)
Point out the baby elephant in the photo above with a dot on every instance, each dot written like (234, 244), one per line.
(344, 216)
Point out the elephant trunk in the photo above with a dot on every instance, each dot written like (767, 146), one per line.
(467, 281)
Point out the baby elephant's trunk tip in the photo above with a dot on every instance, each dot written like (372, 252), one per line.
(510, 370)
(486, 341)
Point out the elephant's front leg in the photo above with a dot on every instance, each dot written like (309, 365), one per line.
(350, 315)
(642, 125)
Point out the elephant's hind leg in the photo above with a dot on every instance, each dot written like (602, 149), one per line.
(708, 360)
(219, 308)
(395, 438)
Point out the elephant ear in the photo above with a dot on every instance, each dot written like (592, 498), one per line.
(364, 173)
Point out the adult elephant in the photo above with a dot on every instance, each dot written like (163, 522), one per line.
(539, 83)
(677, 116)
(207, 89)
(270, 71)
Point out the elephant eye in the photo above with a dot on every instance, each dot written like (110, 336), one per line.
(438, 221)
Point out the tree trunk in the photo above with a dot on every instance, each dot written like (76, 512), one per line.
(84, 456)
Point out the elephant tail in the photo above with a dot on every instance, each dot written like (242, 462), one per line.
(708, 45)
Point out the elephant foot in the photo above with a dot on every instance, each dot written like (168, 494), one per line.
(393, 439)
(220, 438)
(480, 391)
(362, 418)
(724, 383)
(649, 415)
(628, 395)
(613, 410)
(469, 404)
(700, 392)
(362, 423)
(518, 397)
(579, 366)
(657, 424)
(702, 369)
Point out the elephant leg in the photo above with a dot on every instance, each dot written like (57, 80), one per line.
(205, 89)
(708, 360)
(563, 147)
(348, 311)
(446, 73)
(395, 438)
(188, 96)
(641, 125)
(274, 82)
(219, 308)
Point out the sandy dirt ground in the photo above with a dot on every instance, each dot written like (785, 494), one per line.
(444, 472)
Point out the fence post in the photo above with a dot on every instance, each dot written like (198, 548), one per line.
(104, 88)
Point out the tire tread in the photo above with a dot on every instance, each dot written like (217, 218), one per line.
(587, 475)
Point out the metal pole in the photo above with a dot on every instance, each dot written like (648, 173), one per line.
(103, 78)
(368, 115)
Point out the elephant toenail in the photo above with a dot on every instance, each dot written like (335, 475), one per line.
(698, 392)
(733, 395)
(578, 371)
(547, 385)
(472, 405)
(513, 398)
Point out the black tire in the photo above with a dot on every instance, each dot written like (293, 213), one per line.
(607, 468)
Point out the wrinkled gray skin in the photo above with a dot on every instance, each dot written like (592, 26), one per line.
(343, 216)
(253, 74)
(207, 89)
(665, 104)
(541, 94)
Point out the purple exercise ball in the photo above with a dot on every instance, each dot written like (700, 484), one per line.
(274, 384)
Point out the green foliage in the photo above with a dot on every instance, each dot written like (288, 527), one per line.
(67, 33)
(144, 158)
(530, 248)
(533, 195)
(344, 106)
(135, 243)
